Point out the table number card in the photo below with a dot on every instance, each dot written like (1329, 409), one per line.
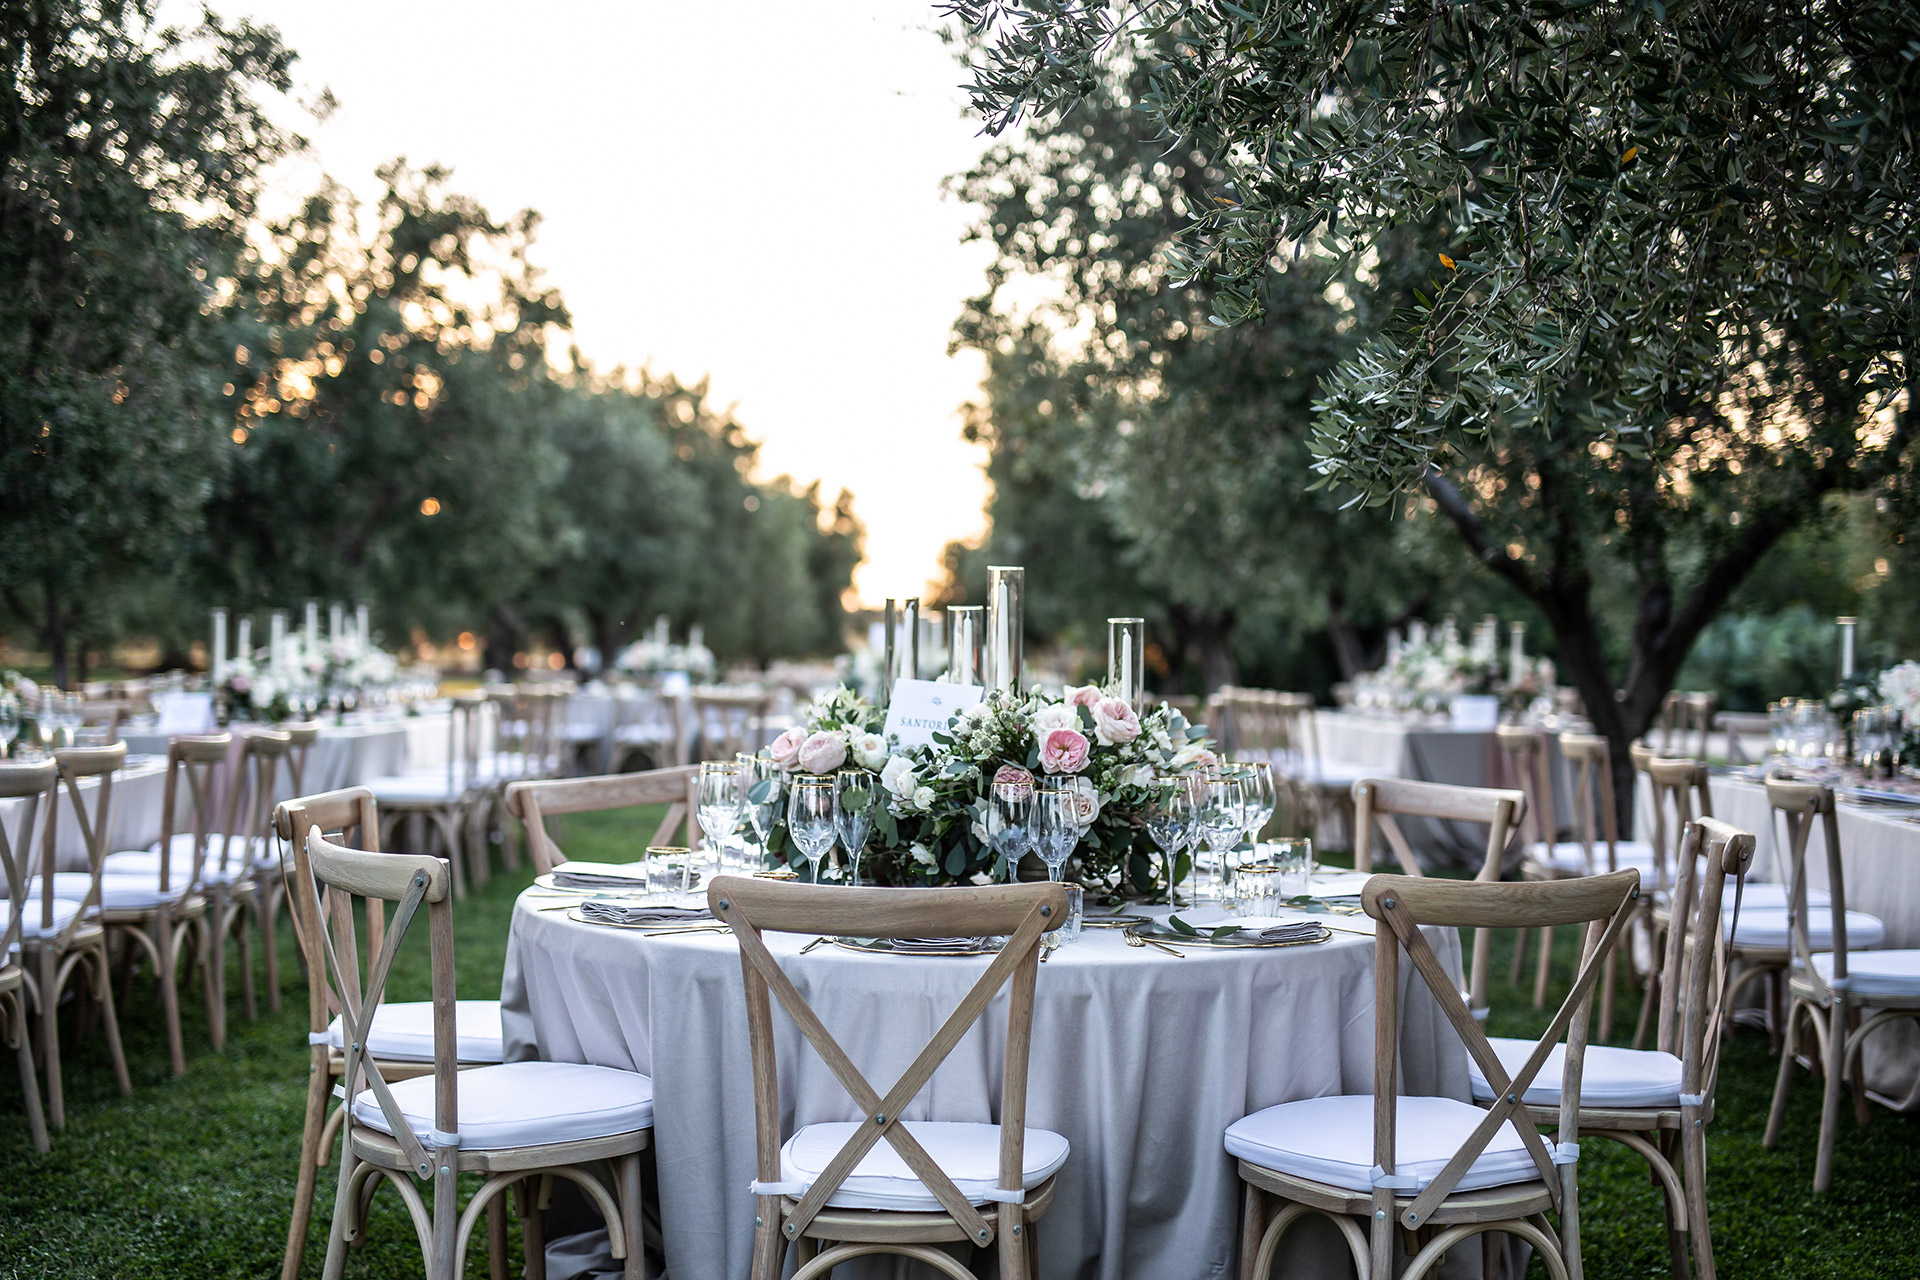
(921, 708)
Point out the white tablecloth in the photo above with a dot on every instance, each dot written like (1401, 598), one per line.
(1880, 852)
(1140, 1059)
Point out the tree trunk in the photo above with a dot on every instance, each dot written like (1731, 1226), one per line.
(604, 630)
(1211, 635)
(55, 633)
(506, 632)
(1348, 652)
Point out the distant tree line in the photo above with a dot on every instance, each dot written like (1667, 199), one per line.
(357, 401)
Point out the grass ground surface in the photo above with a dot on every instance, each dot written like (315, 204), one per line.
(193, 1177)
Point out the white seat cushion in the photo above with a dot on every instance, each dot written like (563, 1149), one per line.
(1330, 1140)
(425, 788)
(1609, 1077)
(1768, 928)
(524, 1104)
(64, 910)
(1875, 973)
(1758, 896)
(967, 1153)
(146, 862)
(119, 892)
(403, 1031)
(1341, 774)
(1568, 856)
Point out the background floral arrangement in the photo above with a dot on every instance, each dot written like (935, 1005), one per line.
(650, 656)
(929, 809)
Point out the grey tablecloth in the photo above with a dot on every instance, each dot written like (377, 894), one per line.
(1140, 1059)
(1880, 852)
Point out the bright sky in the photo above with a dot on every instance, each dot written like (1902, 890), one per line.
(749, 191)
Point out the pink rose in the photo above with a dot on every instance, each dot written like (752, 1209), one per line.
(1063, 751)
(823, 752)
(1083, 695)
(1013, 781)
(786, 748)
(1114, 722)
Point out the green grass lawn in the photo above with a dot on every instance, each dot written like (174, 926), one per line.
(193, 1177)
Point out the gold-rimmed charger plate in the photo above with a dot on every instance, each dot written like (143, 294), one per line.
(884, 946)
(1113, 922)
(1247, 939)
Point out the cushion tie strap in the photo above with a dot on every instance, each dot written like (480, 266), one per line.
(794, 1189)
(1393, 1181)
(1480, 1015)
(1566, 1153)
(1840, 983)
(441, 1138)
(1000, 1195)
(320, 1037)
(1693, 1099)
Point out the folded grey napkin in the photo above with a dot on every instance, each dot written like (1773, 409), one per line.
(941, 944)
(1293, 931)
(603, 912)
(599, 875)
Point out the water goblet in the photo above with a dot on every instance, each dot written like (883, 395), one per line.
(1056, 825)
(1222, 820)
(1172, 806)
(765, 797)
(1261, 796)
(721, 799)
(810, 819)
(9, 723)
(1010, 821)
(854, 796)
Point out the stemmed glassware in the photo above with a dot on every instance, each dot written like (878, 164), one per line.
(9, 722)
(1259, 794)
(1222, 821)
(854, 795)
(1010, 822)
(810, 819)
(722, 797)
(1056, 825)
(1173, 809)
(766, 790)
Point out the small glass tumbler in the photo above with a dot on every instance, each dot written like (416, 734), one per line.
(669, 869)
(1076, 912)
(1293, 855)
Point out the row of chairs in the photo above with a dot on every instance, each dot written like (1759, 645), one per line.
(1462, 1170)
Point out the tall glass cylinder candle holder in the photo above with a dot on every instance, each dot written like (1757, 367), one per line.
(1847, 628)
(1126, 659)
(334, 614)
(277, 640)
(901, 657)
(218, 653)
(243, 643)
(1006, 610)
(963, 643)
(360, 627)
(313, 626)
(1516, 652)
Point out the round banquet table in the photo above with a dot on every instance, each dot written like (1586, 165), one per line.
(1140, 1059)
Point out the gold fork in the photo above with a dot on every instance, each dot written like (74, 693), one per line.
(1135, 940)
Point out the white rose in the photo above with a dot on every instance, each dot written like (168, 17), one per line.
(1055, 715)
(1087, 800)
(898, 777)
(921, 855)
(923, 797)
(870, 750)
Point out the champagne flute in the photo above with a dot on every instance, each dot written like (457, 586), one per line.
(721, 797)
(1222, 820)
(1010, 822)
(1261, 796)
(854, 796)
(810, 819)
(1056, 825)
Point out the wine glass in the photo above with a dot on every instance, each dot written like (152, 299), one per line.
(810, 819)
(1172, 809)
(854, 796)
(766, 790)
(1010, 822)
(9, 722)
(721, 797)
(1258, 790)
(1056, 825)
(1222, 820)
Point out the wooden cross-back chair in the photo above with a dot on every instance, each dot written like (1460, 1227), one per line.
(30, 783)
(1314, 1156)
(1321, 785)
(508, 1123)
(227, 876)
(270, 873)
(1524, 747)
(1844, 989)
(1738, 726)
(804, 1197)
(401, 1039)
(729, 722)
(648, 724)
(534, 802)
(447, 798)
(105, 713)
(70, 936)
(1378, 800)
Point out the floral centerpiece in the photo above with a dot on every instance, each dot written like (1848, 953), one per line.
(1425, 677)
(249, 691)
(651, 656)
(1899, 688)
(929, 809)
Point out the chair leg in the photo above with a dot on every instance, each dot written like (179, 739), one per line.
(110, 1019)
(1253, 1225)
(1521, 936)
(497, 1238)
(343, 1211)
(29, 1079)
(1012, 1244)
(1608, 977)
(1693, 1156)
(169, 993)
(50, 1036)
(1649, 1001)
(241, 910)
(1857, 1078)
(769, 1250)
(1830, 1100)
(633, 1218)
(1544, 969)
(1777, 1115)
(215, 971)
(266, 907)
(533, 1229)
(318, 1080)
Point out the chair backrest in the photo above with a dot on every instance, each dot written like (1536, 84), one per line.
(300, 739)
(76, 765)
(30, 783)
(103, 712)
(729, 722)
(534, 801)
(197, 760)
(1022, 912)
(350, 811)
(1698, 718)
(1596, 823)
(409, 881)
(249, 806)
(1672, 721)
(1740, 725)
(1803, 803)
(1501, 811)
(1525, 749)
(1693, 990)
(1680, 793)
(1402, 905)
